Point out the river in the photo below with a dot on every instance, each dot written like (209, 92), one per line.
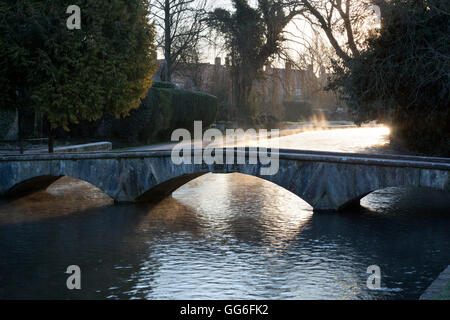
(226, 237)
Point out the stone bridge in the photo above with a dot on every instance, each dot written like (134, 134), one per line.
(327, 181)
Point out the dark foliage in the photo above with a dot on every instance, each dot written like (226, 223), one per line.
(7, 118)
(297, 110)
(253, 36)
(71, 75)
(402, 77)
(163, 111)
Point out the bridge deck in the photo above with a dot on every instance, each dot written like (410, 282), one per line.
(289, 154)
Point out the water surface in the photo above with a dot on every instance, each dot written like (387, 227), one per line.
(225, 237)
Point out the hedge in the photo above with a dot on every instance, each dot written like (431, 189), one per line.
(7, 118)
(163, 111)
(296, 110)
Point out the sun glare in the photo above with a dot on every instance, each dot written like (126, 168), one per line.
(385, 130)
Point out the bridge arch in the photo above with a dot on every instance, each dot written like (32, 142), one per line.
(40, 183)
(166, 188)
(384, 178)
(356, 202)
(31, 185)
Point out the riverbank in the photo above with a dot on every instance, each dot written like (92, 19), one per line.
(288, 129)
(74, 148)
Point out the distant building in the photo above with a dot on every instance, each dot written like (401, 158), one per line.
(269, 93)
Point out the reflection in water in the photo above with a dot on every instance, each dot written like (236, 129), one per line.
(220, 237)
(63, 197)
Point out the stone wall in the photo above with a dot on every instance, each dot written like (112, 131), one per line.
(90, 147)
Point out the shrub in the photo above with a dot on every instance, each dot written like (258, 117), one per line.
(266, 121)
(402, 77)
(296, 110)
(7, 118)
(163, 111)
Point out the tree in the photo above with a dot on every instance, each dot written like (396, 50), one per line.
(182, 25)
(17, 33)
(401, 77)
(344, 22)
(314, 56)
(252, 36)
(73, 75)
(397, 74)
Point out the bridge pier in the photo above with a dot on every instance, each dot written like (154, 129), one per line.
(352, 206)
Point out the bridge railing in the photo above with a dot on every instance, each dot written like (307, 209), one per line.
(284, 154)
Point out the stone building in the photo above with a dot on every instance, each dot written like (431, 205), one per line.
(269, 93)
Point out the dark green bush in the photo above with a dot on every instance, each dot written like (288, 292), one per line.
(189, 106)
(297, 109)
(266, 121)
(163, 111)
(402, 76)
(7, 118)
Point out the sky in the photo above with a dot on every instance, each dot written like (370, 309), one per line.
(211, 53)
(296, 30)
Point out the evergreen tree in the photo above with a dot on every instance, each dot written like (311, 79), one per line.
(71, 75)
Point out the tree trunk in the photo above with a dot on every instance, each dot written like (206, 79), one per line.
(241, 87)
(20, 123)
(51, 142)
(37, 125)
(167, 74)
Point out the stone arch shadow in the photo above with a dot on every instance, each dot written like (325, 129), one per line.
(40, 183)
(31, 185)
(166, 188)
(354, 204)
